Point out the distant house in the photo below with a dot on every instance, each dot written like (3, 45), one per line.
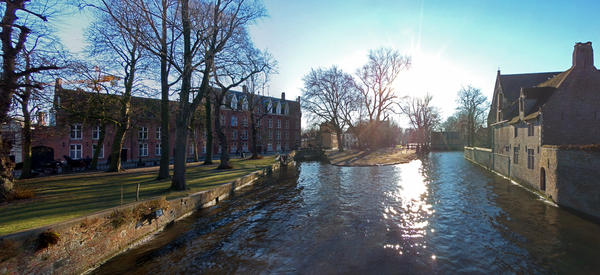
(350, 140)
(279, 128)
(308, 141)
(328, 137)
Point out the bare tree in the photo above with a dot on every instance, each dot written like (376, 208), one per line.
(153, 23)
(254, 96)
(474, 105)
(119, 49)
(239, 62)
(326, 94)
(14, 35)
(376, 81)
(31, 99)
(214, 25)
(422, 116)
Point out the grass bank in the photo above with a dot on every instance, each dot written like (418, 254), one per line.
(385, 156)
(63, 197)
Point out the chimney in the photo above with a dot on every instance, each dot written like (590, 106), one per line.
(244, 88)
(583, 56)
(58, 84)
(282, 96)
(298, 99)
(41, 118)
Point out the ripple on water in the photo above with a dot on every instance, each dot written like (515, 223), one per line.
(439, 214)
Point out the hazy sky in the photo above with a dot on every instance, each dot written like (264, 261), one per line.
(452, 43)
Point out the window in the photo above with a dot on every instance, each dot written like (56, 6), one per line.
(270, 123)
(278, 111)
(101, 156)
(279, 124)
(245, 105)
(96, 132)
(530, 158)
(258, 136)
(233, 121)
(297, 125)
(245, 134)
(203, 147)
(297, 136)
(234, 103)
(516, 155)
(516, 131)
(233, 147)
(278, 146)
(158, 149)
(286, 135)
(278, 135)
(258, 124)
(245, 121)
(530, 130)
(158, 133)
(286, 110)
(76, 132)
(287, 146)
(269, 146)
(223, 120)
(233, 134)
(287, 124)
(143, 134)
(143, 149)
(75, 151)
(270, 135)
(245, 146)
(191, 148)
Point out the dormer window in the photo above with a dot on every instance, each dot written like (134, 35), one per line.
(245, 104)
(269, 107)
(278, 109)
(234, 102)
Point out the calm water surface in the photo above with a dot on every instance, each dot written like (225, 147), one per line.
(437, 215)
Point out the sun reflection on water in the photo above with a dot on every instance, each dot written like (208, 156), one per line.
(407, 211)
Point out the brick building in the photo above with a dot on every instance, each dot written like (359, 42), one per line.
(533, 113)
(279, 128)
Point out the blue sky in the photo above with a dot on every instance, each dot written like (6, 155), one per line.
(453, 43)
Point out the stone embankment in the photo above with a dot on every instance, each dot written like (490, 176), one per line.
(76, 245)
(568, 176)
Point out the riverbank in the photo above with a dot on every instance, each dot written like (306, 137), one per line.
(73, 245)
(387, 156)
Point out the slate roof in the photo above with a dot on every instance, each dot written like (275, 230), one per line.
(512, 83)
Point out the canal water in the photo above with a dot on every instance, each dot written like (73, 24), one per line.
(438, 215)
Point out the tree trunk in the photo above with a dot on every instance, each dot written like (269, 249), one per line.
(183, 120)
(339, 139)
(222, 138)
(115, 152)
(26, 170)
(94, 164)
(163, 171)
(195, 145)
(209, 132)
(255, 152)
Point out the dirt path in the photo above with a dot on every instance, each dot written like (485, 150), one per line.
(386, 156)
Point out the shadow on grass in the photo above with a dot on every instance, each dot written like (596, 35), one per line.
(63, 197)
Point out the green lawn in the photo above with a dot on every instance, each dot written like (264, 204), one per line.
(67, 196)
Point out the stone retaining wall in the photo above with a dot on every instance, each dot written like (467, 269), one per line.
(570, 178)
(88, 241)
